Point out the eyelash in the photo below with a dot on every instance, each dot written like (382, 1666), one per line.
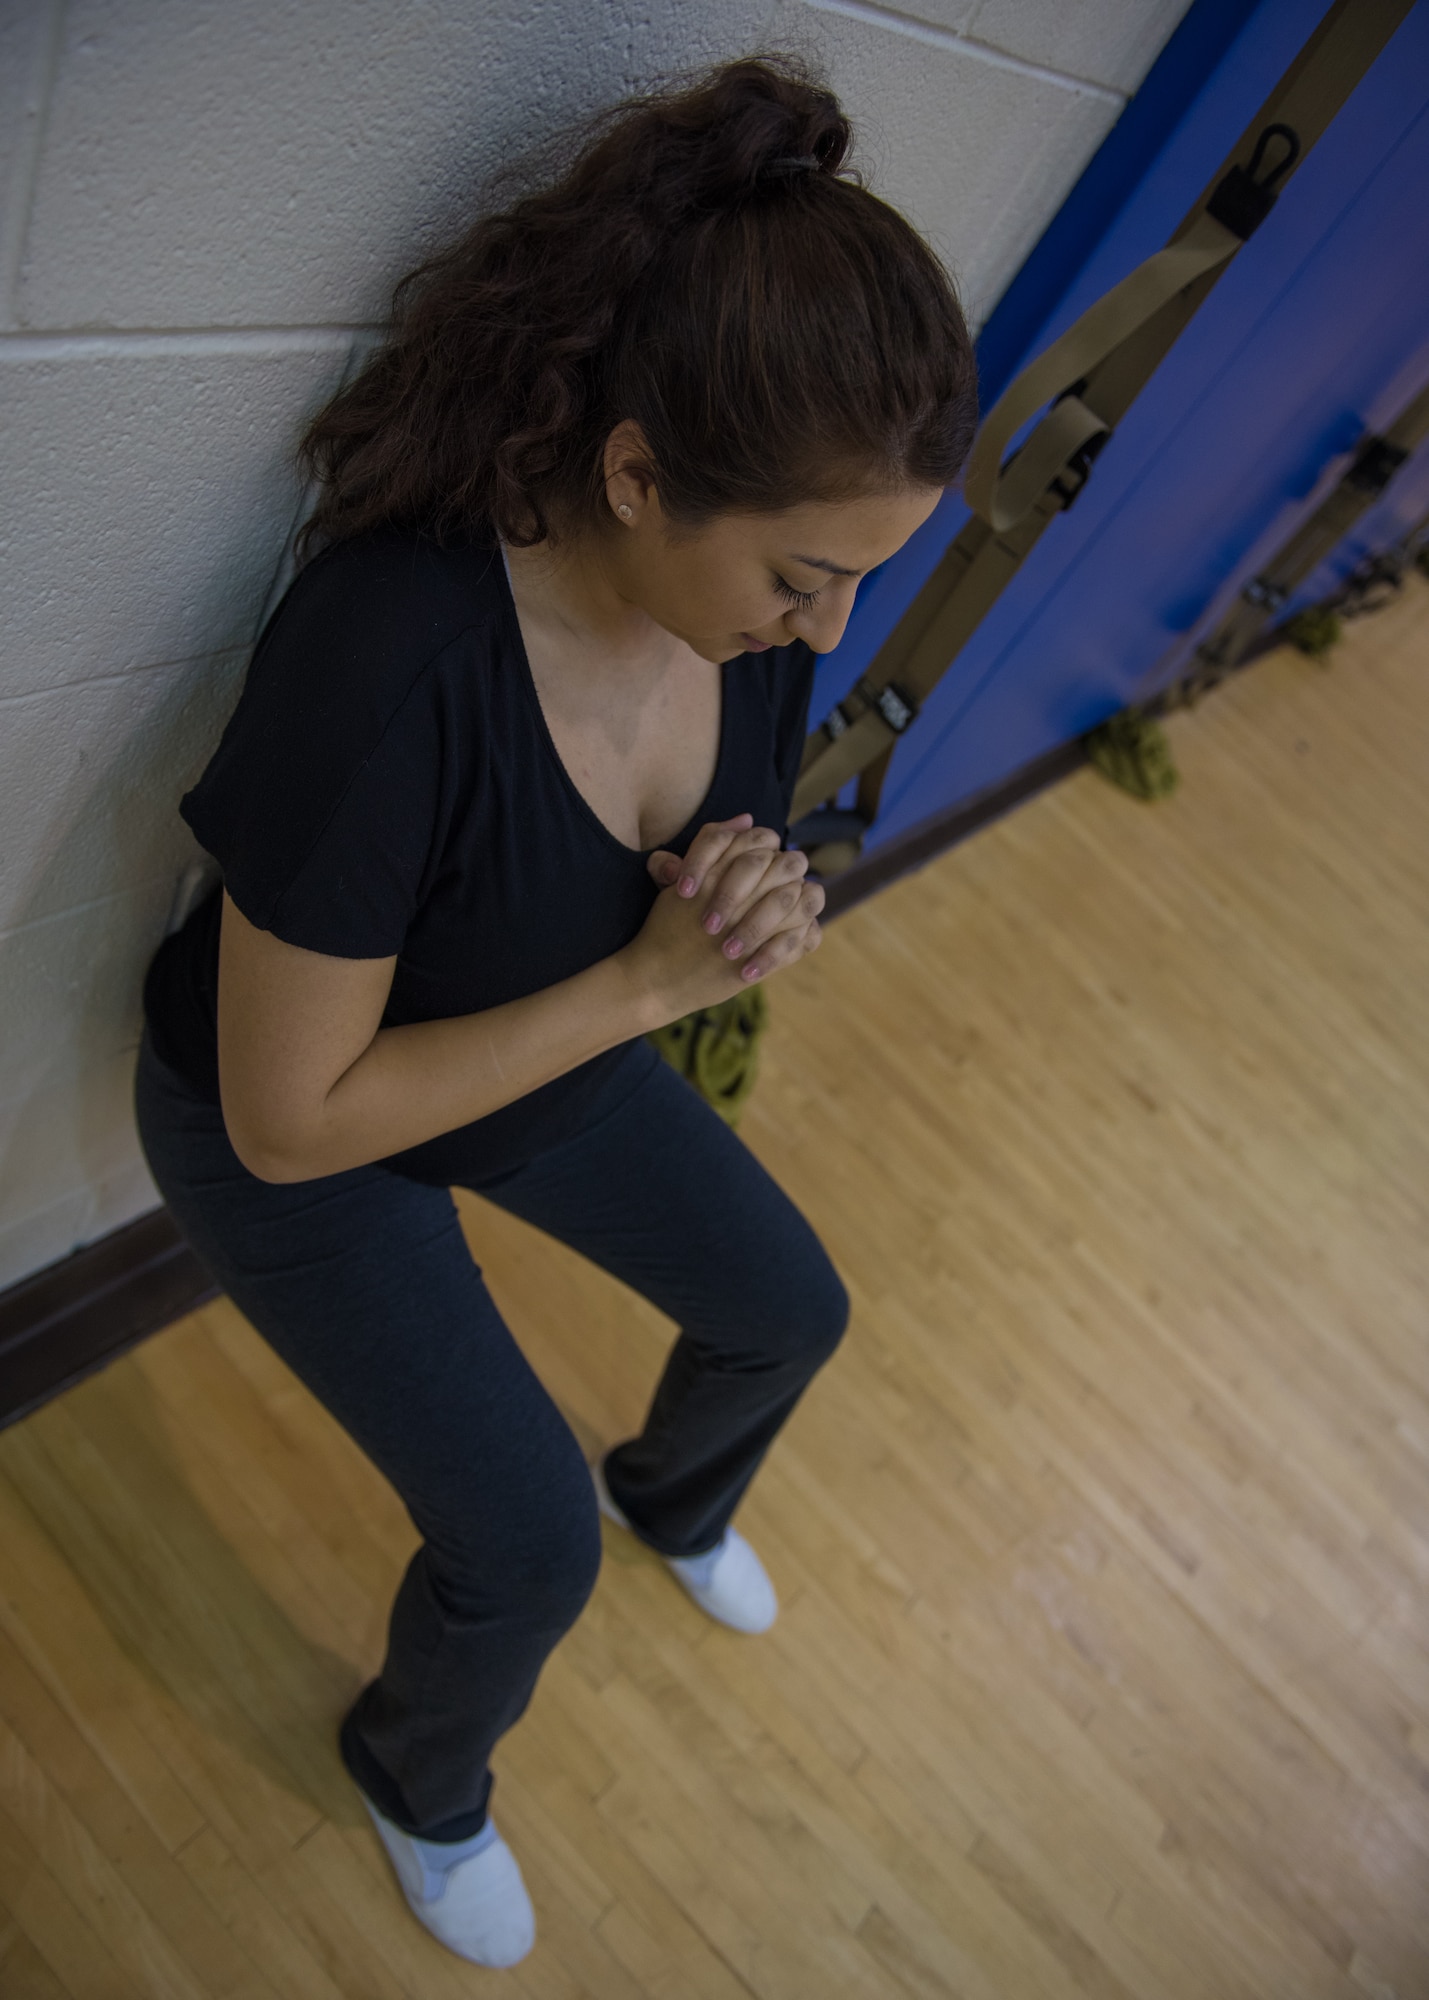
(801, 599)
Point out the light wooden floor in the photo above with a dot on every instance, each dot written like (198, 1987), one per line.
(1102, 1545)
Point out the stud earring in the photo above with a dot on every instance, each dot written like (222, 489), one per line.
(624, 510)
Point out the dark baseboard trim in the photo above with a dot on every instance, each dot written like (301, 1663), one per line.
(932, 836)
(70, 1319)
(62, 1323)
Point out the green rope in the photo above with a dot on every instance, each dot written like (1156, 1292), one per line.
(1130, 749)
(717, 1049)
(1313, 631)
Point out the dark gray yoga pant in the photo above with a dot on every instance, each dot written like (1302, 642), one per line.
(363, 1283)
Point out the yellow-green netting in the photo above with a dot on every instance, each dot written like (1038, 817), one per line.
(717, 1050)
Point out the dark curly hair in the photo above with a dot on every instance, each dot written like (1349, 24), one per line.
(707, 267)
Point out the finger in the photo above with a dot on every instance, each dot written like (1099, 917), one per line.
(786, 906)
(663, 867)
(791, 941)
(748, 873)
(774, 910)
(752, 848)
(786, 948)
(708, 845)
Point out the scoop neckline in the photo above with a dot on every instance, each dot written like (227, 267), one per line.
(677, 841)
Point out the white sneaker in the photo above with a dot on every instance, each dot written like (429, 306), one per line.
(729, 1581)
(477, 1908)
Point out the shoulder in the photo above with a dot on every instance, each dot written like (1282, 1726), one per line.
(367, 674)
(369, 614)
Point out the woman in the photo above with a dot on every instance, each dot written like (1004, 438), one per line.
(505, 790)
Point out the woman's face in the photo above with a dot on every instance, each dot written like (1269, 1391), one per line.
(745, 582)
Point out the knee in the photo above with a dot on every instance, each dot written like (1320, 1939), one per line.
(556, 1583)
(823, 1314)
(537, 1565)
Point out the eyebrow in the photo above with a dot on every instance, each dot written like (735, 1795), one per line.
(818, 562)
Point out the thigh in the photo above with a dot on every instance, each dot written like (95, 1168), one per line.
(664, 1195)
(363, 1283)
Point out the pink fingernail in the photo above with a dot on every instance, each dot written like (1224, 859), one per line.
(687, 887)
(734, 948)
(751, 972)
(713, 922)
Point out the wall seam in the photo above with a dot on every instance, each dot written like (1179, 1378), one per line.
(52, 346)
(894, 22)
(20, 197)
(123, 676)
(128, 893)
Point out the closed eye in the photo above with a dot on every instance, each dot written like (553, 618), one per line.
(801, 599)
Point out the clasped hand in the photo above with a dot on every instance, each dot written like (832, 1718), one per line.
(736, 908)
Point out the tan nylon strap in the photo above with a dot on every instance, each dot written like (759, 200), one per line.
(1046, 455)
(1002, 498)
(1152, 311)
(971, 576)
(1312, 541)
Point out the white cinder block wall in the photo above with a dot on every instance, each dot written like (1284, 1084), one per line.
(202, 204)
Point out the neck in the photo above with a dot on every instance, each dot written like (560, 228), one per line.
(573, 592)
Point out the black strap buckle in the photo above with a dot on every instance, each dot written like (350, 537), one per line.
(1267, 596)
(1075, 473)
(1376, 463)
(835, 722)
(897, 708)
(1242, 201)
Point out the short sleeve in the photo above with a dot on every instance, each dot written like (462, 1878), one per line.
(322, 802)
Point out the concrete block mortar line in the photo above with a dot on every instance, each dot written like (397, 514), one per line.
(26, 345)
(125, 674)
(894, 22)
(127, 893)
(122, 1051)
(19, 196)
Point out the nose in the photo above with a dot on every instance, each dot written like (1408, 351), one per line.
(822, 625)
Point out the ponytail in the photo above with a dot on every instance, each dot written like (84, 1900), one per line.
(707, 267)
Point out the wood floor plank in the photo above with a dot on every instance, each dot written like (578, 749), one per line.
(1102, 1668)
(35, 1732)
(90, 1958)
(24, 1974)
(57, 1628)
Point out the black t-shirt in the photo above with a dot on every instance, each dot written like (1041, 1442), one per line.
(387, 784)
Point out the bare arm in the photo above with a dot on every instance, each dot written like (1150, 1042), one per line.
(311, 1085)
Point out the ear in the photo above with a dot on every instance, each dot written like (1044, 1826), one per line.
(629, 474)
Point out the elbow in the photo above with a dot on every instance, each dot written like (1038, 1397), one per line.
(266, 1165)
(266, 1161)
(277, 1172)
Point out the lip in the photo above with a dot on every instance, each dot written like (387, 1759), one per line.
(753, 645)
